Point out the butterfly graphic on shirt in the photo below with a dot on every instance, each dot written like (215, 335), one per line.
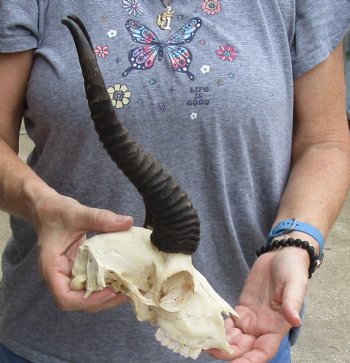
(144, 56)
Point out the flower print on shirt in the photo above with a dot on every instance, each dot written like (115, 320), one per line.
(211, 7)
(102, 51)
(231, 75)
(205, 68)
(132, 7)
(226, 53)
(112, 33)
(180, 17)
(120, 95)
(161, 107)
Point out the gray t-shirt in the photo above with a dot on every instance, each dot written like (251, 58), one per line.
(222, 126)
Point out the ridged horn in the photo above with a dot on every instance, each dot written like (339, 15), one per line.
(169, 211)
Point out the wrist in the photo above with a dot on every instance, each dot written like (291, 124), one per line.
(289, 243)
(294, 228)
(303, 236)
(36, 197)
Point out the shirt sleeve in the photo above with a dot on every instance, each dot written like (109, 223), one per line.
(319, 28)
(20, 25)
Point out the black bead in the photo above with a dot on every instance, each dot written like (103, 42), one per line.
(304, 245)
(314, 257)
(297, 243)
(290, 242)
(311, 250)
(275, 244)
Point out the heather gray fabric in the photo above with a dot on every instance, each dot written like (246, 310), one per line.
(225, 136)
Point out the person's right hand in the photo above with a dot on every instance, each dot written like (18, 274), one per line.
(61, 223)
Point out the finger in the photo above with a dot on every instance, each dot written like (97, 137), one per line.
(219, 355)
(292, 300)
(110, 302)
(231, 334)
(102, 220)
(75, 301)
(254, 356)
(229, 324)
(69, 300)
(262, 351)
(240, 344)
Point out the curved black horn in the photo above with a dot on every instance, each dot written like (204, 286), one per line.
(169, 211)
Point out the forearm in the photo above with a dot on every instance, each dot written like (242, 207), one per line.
(317, 186)
(319, 176)
(21, 190)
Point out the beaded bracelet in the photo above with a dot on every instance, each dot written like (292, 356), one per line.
(293, 242)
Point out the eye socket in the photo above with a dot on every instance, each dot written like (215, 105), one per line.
(176, 291)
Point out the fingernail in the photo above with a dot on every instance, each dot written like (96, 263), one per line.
(296, 314)
(122, 219)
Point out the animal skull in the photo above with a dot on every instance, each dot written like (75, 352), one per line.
(165, 288)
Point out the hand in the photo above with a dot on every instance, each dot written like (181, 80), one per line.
(269, 306)
(61, 224)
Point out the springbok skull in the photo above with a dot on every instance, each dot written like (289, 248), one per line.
(165, 289)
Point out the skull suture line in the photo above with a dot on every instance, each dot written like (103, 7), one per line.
(153, 268)
(165, 289)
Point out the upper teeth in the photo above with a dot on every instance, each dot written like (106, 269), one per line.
(176, 347)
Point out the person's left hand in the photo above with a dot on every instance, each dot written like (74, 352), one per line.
(269, 306)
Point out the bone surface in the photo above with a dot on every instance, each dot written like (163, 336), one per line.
(164, 288)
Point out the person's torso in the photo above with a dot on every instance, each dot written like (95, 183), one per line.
(208, 98)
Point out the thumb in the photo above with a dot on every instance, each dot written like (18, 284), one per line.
(102, 220)
(292, 301)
